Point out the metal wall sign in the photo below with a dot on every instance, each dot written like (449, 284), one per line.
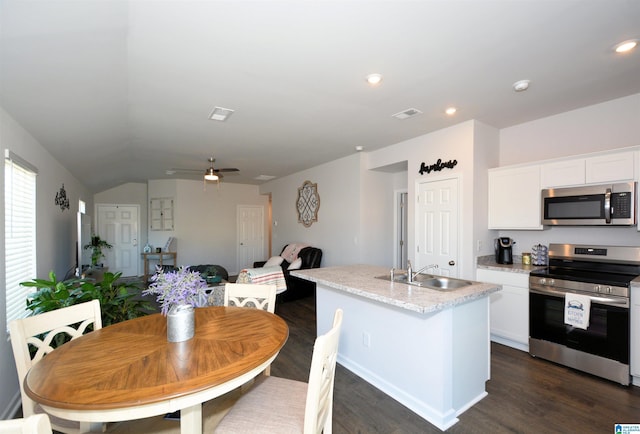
(61, 199)
(437, 166)
(308, 203)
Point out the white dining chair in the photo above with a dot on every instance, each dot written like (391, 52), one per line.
(250, 295)
(279, 405)
(34, 424)
(38, 332)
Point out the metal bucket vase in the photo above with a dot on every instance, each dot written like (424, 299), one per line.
(180, 323)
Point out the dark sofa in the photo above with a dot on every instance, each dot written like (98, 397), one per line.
(297, 288)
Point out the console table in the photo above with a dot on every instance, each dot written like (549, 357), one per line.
(160, 258)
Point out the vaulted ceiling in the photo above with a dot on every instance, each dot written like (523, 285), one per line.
(121, 91)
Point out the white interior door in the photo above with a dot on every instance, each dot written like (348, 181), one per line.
(118, 225)
(437, 227)
(250, 235)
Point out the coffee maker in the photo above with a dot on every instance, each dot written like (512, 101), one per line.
(504, 250)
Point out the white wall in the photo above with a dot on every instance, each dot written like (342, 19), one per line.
(56, 234)
(205, 220)
(485, 155)
(337, 231)
(356, 216)
(454, 143)
(610, 125)
(377, 223)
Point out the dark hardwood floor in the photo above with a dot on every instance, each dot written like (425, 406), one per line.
(526, 395)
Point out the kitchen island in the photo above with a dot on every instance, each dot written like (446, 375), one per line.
(428, 349)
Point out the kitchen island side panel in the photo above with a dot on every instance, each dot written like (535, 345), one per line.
(434, 363)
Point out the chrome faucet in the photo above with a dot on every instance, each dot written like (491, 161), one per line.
(412, 274)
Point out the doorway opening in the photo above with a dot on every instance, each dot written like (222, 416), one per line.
(400, 233)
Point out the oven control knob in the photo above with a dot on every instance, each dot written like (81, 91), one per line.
(597, 288)
(552, 282)
(608, 290)
(543, 281)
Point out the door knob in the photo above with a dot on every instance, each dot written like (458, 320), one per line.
(452, 263)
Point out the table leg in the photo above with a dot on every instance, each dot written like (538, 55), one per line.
(191, 420)
(89, 427)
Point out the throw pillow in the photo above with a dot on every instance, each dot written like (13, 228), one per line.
(273, 261)
(296, 264)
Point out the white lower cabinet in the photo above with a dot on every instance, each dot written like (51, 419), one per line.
(509, 317)
(635, 334)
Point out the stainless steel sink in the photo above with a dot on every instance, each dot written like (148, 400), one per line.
(441, 283)
(446, 283)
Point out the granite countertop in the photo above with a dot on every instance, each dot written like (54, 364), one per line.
(489, 262)
(360, 280)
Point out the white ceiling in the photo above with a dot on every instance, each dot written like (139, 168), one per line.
(120, 91)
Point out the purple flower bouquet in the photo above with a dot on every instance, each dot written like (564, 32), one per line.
(180, 287)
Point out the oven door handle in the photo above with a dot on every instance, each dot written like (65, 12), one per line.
(617, 301)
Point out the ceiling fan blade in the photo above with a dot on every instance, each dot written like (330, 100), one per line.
(175, 169)
(203, 171)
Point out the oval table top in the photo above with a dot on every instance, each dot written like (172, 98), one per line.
(132, 364)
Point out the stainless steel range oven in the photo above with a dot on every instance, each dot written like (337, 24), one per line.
(601, 273)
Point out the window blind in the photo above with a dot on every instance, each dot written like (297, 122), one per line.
(20, 232)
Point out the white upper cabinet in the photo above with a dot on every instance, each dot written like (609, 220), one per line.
(562, 173)
(613, 167)
(514, 198)
(514, 191)
(610, 167)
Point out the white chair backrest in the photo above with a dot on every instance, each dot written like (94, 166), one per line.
(28, 332)
(250, 295)
(35, 424)
(321, 379)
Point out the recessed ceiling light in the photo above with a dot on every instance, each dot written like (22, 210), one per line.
(220, 114)
(451, 111)
(520, 86)
(264, 177)
(359, 148)
(374, 79)
(626, 46)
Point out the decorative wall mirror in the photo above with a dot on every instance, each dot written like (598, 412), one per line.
(308, 203)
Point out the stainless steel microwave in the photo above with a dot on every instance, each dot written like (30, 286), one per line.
(591, 205)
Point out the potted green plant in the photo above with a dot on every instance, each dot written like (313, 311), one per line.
(96, 245)
(120, 300)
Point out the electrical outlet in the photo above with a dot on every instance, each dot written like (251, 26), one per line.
(479, 246)
(366, 339)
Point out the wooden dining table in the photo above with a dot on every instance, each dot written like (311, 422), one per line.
(130, 371)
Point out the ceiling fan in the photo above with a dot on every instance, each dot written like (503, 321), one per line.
(210, 174)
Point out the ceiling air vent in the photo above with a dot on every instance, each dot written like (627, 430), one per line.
(264, 177)
(406, 114)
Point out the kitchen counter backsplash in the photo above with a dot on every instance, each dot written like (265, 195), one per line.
(489, 262)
